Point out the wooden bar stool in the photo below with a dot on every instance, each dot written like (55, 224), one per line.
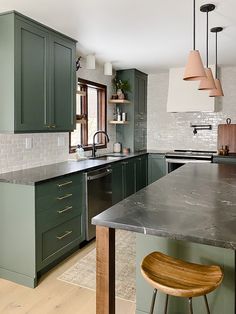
(179, 278)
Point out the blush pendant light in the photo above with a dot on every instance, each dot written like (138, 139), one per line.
(194, 69)
(208, 82)
(218, 91)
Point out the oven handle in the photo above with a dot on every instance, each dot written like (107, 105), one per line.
(186, 161)
(100, 175)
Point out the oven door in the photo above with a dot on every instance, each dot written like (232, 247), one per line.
(175, 163)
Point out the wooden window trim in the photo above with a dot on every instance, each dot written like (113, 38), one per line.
(102, 118)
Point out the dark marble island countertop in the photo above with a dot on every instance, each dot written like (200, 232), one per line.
(195, 203)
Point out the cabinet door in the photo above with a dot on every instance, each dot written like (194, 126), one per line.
(156, 167)
(31, 77)
(141, 172)
(224, 160)
(117, 183)
(141, 93)
(128, 171)
(63, 81)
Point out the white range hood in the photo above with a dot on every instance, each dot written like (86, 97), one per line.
(185, 97)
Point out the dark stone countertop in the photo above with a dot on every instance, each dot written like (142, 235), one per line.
(31, 176)
(195, 203)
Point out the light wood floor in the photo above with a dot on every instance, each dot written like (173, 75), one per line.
(54, 296)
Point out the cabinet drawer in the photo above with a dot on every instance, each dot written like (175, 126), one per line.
(59, 185)
(60, 200)
(61, 236)
(59, 213)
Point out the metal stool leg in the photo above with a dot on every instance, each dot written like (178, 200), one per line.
(207, 305)
(166, 304)
(190, 305)
(153, 300)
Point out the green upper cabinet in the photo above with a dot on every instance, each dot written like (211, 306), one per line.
(38, 65)
(62, 81)
(134, 134)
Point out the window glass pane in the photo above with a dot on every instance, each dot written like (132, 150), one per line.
(78, 102)
(76, 135)
(92, 113)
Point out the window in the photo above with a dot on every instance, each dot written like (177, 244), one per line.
(90, 115)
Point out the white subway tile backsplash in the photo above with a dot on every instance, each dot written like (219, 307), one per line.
(172, 130)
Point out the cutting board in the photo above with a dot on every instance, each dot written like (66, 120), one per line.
(227, 136)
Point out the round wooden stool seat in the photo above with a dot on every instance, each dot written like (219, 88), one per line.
(179, 278)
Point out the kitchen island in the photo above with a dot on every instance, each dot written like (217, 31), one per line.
(192, 210)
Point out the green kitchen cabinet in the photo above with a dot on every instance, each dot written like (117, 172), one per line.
(141, 172)
(224, 159)
(134, 134)
(123, 179)
(156, 167)
(39, 224)
(38, 76)
(128, 172)
(117, 183)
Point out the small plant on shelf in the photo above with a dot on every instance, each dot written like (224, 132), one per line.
(121, 87)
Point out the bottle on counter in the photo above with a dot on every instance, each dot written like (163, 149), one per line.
(79, 152)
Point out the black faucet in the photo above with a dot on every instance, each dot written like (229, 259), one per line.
(94, 145)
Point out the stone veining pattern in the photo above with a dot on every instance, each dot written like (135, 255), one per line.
(194, 203)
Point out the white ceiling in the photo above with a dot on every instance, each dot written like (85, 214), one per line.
(150, 35)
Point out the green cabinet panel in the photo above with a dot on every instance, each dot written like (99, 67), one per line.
(134, 134)
(117, 183)
(156, 167)
(141, 172)
(128, 172)
(63, 84)
(38, 66)
(31, 77)
(224, 160)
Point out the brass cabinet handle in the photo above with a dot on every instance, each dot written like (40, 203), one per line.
(65, 183)
(47, 126)
(53, 126)
(63, 197)
(64, 235)
(64, 210)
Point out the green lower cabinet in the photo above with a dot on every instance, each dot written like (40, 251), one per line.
(141, 172)
(156, 167)
(224, 160)
(117, 183)
(39, 224)
(221, 301)
(128, 172)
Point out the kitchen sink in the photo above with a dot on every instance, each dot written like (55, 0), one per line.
(109, 157)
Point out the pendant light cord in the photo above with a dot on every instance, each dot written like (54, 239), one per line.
(207, 42)
(216, 55)
(194, 24)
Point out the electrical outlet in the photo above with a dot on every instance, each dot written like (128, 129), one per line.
(60, 141)
(28, 143)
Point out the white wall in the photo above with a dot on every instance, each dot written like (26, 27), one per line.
(172, 130)
(45, 150)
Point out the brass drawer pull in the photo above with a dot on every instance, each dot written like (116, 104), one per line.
(64, 235)
(63, 197)
(64, 210)
(65, 183)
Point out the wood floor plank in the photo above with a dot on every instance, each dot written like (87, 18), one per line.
(53, 296)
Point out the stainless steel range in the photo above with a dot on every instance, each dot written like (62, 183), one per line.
(177, 158)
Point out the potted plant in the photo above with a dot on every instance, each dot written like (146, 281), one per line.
(121, 87)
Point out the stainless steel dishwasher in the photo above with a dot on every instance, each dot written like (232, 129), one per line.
(99, 196)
